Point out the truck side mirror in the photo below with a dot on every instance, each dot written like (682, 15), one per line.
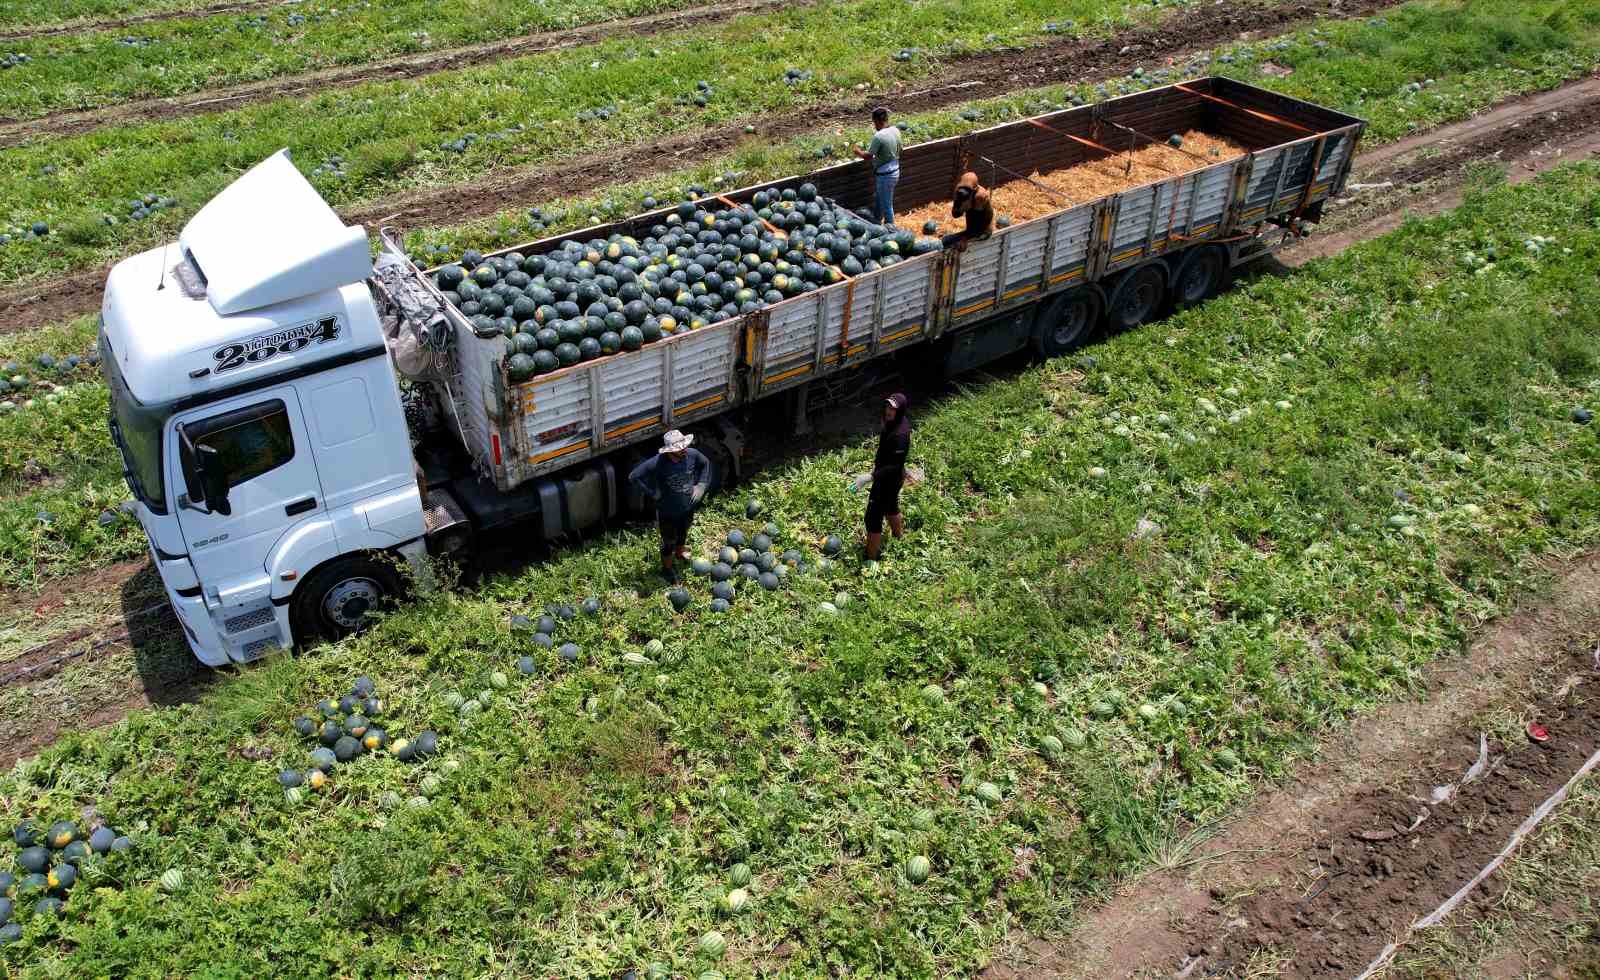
(213, 479)
(205, 475)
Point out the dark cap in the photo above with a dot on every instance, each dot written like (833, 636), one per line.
(882, 110)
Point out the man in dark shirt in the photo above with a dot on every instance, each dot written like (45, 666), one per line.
(888, 474)
(972, 200)
(676, 479)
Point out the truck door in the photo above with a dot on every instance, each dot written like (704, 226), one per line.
(256, 447)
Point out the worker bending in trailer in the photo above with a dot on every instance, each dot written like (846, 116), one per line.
(888, 474)
(676, 479)
(971, 199)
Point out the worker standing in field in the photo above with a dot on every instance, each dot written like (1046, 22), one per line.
(676, 479)
(888, 474)
(884, 153)
(972, 200)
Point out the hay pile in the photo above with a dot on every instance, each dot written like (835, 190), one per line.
(1020, 200)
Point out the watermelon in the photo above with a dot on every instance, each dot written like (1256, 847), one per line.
(987, 792)
(832, 545)
(454, 700)
(521, 366)
(62, 833)
(294, 795)
(32, 885)
(769, 581)
(1149, 712)
(290, 778)
(10, 933)
(171, 880)
(713, 944)
(323, 759)
(1226, 759)
(61, 878)
(654, 648)
(1074, 739)
(315, 779)
(569, 652)
(101, 840)
(728, 555)
(5, 910)
(356, 725)
(679, 598)
(1102, 709)
(499, 681)
(346, 748)
(1050, 746)
(8, 886)
(591, 606)
(917, 869)
(747, 556)
(736, 901)
(700, 566)
(723, 591)
(49, 905)
(305, 727)
(327, 708)
(736, 539)
(427, 743)
(933, 694)
(27, 835)
(761, 542)
(525, 665)
(721, 572)
(922, 819)
(389, 800)
(33, 859)
(547, 624)
(374, 739)
(331, 730)
(635, 659)
(752, 509)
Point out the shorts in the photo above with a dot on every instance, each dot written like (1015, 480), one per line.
(674, 531)
(884, 502)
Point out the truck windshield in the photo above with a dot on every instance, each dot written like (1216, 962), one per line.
(136, 429)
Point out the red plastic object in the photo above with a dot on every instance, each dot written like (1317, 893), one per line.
(1538, 732)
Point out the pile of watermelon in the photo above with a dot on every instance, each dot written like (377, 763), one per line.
(348, 730)
(17, 389)
(696, 267)
(19, 233)
(15, 59)
(50, 862)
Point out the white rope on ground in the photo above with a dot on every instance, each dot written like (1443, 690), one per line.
(1445, 908)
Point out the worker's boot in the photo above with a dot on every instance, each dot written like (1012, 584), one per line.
(897, 524)
(874, 546)
(667, 571)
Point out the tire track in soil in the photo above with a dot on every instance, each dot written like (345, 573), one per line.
(983, 75)
(109, 24)
(14, 131)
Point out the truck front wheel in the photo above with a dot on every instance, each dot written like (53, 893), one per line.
(335, 600)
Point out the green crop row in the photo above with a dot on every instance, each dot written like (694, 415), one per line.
(195, 54)
(21, 15)
(387, 133)
(1197, 546)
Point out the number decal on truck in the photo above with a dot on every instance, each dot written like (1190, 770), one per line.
(270, 345)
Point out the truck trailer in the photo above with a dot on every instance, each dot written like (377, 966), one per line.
(299, 421)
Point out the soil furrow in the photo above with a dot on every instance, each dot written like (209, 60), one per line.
(982, 76)
(14, 131)
(112, 23)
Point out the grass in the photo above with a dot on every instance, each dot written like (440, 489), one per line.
(192, 54)
(595, 808)
(22, 14)
(67, 441)
(390, 133)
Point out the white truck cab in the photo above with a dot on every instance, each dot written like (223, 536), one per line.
(259, 419)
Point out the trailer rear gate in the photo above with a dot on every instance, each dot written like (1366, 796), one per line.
(1297, 155)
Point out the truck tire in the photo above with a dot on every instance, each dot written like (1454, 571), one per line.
(1067, 322)
(1137, 298)
(1202, 275)
(334, 600)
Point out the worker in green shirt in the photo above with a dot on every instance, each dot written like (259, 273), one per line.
(884, 153)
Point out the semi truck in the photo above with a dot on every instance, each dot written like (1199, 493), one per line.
(303, 415)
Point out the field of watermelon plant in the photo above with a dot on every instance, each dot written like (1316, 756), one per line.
(1134, 582)
(190, 54)
(1362, 67)
(390, 137)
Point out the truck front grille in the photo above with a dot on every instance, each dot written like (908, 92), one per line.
(248, 620)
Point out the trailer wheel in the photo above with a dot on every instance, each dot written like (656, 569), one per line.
(1067, 323)
(334, 601)
(1200, 277)
(1137, 297)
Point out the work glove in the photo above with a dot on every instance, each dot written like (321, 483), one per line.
(861, 480)
(697, 494)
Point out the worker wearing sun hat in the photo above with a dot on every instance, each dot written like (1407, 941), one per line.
(676, 479)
